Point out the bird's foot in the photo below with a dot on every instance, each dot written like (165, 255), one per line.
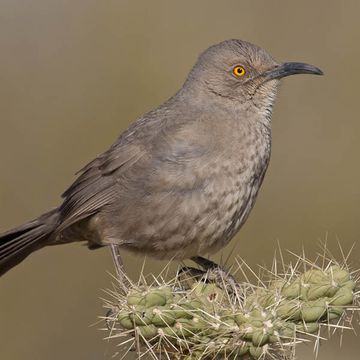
(211, 272)
(217, 274)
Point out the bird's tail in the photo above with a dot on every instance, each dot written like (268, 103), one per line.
(18, 243)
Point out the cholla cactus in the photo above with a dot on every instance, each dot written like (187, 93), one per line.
(196, 319)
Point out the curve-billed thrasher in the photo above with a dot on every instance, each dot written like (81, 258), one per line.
(182, 179)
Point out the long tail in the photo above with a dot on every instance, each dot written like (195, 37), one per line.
(18, 243)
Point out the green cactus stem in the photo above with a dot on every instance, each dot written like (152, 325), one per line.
(203, 320)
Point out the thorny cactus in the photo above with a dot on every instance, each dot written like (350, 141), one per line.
(192, 319)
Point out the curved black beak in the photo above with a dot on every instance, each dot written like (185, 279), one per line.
(291, 68)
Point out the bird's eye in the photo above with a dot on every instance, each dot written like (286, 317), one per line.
(239, 71)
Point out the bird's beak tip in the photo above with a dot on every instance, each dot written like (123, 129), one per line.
(317, 71)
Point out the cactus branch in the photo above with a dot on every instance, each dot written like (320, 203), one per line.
(200, 318)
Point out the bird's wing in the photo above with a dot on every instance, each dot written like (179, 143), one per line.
(96, 186)
(154, 148)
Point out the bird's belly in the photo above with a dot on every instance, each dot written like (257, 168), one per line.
(231, 214)
(193, 223)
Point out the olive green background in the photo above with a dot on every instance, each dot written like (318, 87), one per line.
(74, 74)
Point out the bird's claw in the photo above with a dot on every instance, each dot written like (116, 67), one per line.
(211, 273)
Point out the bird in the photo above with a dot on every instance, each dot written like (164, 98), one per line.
(181, 180)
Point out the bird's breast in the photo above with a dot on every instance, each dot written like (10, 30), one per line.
(235, 191)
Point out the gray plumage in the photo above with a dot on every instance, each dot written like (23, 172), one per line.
(182, 179)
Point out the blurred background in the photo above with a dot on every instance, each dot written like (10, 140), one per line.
(74, 74)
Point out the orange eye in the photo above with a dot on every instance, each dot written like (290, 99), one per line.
(239, 71)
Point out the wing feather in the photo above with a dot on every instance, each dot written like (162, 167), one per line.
(96, 186)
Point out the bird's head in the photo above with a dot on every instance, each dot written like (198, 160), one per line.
(240, 71)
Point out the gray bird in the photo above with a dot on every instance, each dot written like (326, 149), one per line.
(182, 179)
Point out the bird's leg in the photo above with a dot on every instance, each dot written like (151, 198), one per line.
(124, 283)
(119, 265)
(206, 264)
(193, 273)
(118, 262)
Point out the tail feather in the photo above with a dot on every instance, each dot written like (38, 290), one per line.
(18, 243)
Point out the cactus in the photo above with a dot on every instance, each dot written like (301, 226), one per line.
(194, 319)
